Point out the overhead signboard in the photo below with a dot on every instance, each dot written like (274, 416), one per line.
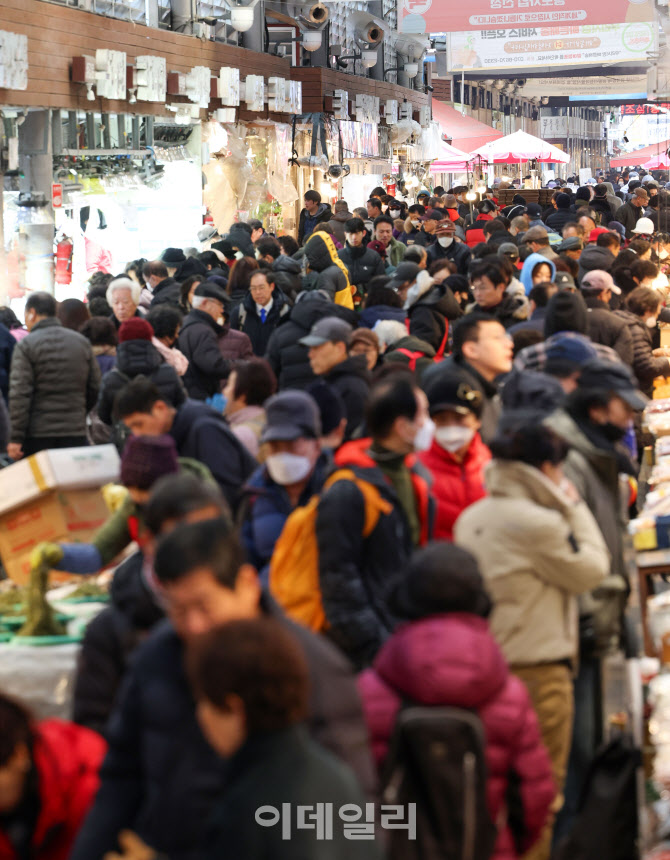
(447, 16)
(587, 88)
(645, 110)
(532, 47)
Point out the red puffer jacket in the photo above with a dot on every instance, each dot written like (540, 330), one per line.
(67, 758)
(452, 660)
(455, 485)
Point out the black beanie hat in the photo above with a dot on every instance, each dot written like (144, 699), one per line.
(583, 193)
(440, 577)
(566, 311)
(563, 201)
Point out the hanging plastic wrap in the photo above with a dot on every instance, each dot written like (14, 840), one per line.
(428, 146)
(402, 131)
(278, 155)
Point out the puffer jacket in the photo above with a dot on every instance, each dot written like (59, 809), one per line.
(595, 473)
(558, 218)
(198, 340)
(331, 273)
(135, 357)
(452, 660)
(265, 508)
(351, 380)
(646, 366)
(608, 329)
(109, 642)
(66, 763)
(537, 551)
(53, 382)
(455, 485)
(355, 572)
(362, 264)
(371, 316)
(429, 316)
(287, 276)
(287, 356)
(457, 253)
(161, 778)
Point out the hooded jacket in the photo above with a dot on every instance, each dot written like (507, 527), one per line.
(429, 316)
(135, 358)
(355, 572)
(245, 318)
(615, 202)
(337, 222)
(110, 640)
(594, 257)
(240, 238)
(332, 275)
(351, 379)
(646, 366)
(452, 660)
(288, 276)
(537, 551)
(198, 340)
(362, 264)
(526, 274)
(455, 485)
(287, 356)
(308, 222)
(66, 761)
(161, 778)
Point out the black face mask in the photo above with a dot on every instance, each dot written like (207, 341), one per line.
(611, 432)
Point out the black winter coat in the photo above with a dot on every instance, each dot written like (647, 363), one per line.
(7, 344)
(351, 380)
(203, 434)
(645, 366)
(607, 328)
(245, 318)
(505, 312)
(287, 357)
(629, 215)
(288, 276)
(110, 640)
(558, 218)
(324, 213)
(53, 382)
(167, 292)
(428, 317)
(160, 777)
(198, 340)
(355, 573)
(602, 206)
(135, 357)
(362, 264)
(457, 252)
(268, 765)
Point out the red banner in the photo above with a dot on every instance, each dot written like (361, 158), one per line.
(440, 16)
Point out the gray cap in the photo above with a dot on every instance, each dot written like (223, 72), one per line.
(509, 249)
(572, 243)
(331, 329)
(564, 281)
(291, 415)
(210, 290)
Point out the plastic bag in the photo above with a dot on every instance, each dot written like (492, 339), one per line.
(41, 678)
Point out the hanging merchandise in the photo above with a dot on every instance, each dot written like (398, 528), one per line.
(64, 254)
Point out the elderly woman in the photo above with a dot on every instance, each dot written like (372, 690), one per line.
(643, 306)
(123, 297)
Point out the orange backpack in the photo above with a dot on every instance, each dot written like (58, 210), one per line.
(294, 567)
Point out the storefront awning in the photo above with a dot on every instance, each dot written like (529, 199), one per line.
(640, 156)
(467, 133)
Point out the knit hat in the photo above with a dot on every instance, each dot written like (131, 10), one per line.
(330, 403)
(145, 459)
(566, 311)
(563, 201)
(583, 193)
(173, 256)
(601, 190)
(440, 577)
(135, 329)
(567, 352)
(379, 247)
(530, 389)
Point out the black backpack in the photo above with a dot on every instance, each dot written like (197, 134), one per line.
(436, 760)
(606, 823)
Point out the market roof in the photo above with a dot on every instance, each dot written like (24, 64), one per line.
(639, 156)
(450, 159)
(465, 132)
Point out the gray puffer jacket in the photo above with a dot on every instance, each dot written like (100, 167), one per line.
(53, 382)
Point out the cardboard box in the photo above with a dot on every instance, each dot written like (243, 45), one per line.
(52, 496)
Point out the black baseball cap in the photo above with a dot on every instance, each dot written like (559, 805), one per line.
(565, 281)
(406, 271)
(455, 392)
(291, 415)
(210, 290)
(613, 377)
(434, 215)
(331, 329)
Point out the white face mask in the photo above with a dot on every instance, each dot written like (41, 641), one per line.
(445, 241)
(384, 207)
(287, 468)
(416, 222)
(662, 253)
(424, 436)
(220, 321)
(651, 322)
(453, 438)
(394, 213)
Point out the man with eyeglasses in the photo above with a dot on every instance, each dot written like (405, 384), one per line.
(489, 284)
(261, 310)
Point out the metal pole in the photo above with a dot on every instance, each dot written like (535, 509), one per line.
(463, 92)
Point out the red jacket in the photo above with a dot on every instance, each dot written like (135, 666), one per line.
(452, 660)
(67, 758)
(455, 485)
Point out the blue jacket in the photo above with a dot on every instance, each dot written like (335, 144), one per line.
(526, 276)
(371, 316)
(267, 507)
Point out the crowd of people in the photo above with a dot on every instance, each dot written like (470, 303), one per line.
(376, 486)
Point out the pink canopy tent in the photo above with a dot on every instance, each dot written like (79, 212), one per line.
(450, 160)
(658, 162)
(520, 146)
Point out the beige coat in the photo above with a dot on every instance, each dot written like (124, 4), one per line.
(536, 551)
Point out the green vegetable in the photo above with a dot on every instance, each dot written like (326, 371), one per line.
(41, 619)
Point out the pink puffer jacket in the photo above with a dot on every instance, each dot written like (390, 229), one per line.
(453, 660)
